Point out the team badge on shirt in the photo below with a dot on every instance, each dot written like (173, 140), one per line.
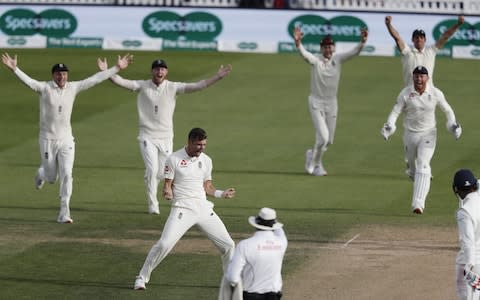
(183, 163)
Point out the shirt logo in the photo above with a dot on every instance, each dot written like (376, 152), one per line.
(183, 163)
(199, 164)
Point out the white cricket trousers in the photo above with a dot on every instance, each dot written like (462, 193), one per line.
(178, 222)
(324, 118)
(154, 153)
(464, 290)
(57, 157)
(419, 149)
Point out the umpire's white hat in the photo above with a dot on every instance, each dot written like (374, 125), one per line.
(265, 220)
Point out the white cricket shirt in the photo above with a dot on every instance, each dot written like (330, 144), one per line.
(155, 105)
(56, 104)
(188, 175)
(257, 261)
(325, 73)
(468, 221)
(419, 110)
(412, 58)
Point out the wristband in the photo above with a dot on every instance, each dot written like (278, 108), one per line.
(218, 194)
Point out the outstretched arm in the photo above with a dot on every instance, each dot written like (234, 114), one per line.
(449, 32)
(297, 36)
(394, 33)
(222, 72)
(12, 64)
(117, 79)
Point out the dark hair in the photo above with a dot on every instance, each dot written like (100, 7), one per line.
(197, 134)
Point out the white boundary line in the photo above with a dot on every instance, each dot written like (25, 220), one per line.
(350, 240)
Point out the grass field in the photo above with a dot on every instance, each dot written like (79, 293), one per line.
(259, 128)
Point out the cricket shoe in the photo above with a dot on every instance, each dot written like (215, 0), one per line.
(153, 209)
(139, 283)
(65, 220)
(418, 211)
(319, 171)
(309, 166)
(38, 182)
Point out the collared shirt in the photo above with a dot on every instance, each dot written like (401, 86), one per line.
(325, 73)
(419, 110)
(412, 57)
(56, 104)
(155, 105)
(188, 175)
(257, 261)
(468, 221)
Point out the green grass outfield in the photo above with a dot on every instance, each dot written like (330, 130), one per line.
(259, 128)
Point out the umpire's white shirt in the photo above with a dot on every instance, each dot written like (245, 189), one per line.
(412, 58)
(155, 105)
(56, 104)
(189, 174)
(468, 220)
(325, 73)
(258, 262)
(419, 110)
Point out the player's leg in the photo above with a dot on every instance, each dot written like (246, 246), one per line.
(150, 158)
(211, 224)
(423, 173)
(65, 157)
(410, 142)
(178, 222)
(48, 166)
(321, 139)
(331, 122)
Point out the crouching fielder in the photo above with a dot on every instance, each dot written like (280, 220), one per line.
(418, 103)
(465, 187)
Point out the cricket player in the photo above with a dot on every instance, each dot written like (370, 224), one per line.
(322, 101)
(257, 261)
(418, 103)
(156, 102)
(188, 180)
(465, 187)
(57, 146)
(419, 54)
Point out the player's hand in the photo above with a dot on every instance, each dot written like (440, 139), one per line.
(10, 62)
(297, 34)
(456, 130)
(102, 64)
(387, 130)
(168, 194)
(224, 71)
(228, 193)
(471, 277)
(388, 20)
(364, 34)
(123, 62)
(461, 20)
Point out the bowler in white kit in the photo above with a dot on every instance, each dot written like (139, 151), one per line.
(322, 101)
(188, 181)
(57, 146)
(418, 103)
(156, 102)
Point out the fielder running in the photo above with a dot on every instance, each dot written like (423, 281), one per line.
(322, 101)
(156, 102)
(418, 103)
(419, 54)
(465, 187)
(188, 179)
(57, 146)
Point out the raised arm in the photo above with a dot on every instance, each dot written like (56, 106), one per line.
(117, 79)
(449, 32)
(12, 64)
(222, 72)
(297, 37)
(357, 49)
(212, 191)
(394, 33)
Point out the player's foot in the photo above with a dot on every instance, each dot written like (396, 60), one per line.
(418, 211)
(309, 166)
(139, 283)
(38, 182)
(153, 209)
(65, 220)
(319, 171)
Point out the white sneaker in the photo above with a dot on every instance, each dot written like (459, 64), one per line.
(309, 167)
(38, 182)
(319, 171)
(139, 283)
(65, 220)
(153, 209)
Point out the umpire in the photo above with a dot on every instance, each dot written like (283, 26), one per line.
(257, 261)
